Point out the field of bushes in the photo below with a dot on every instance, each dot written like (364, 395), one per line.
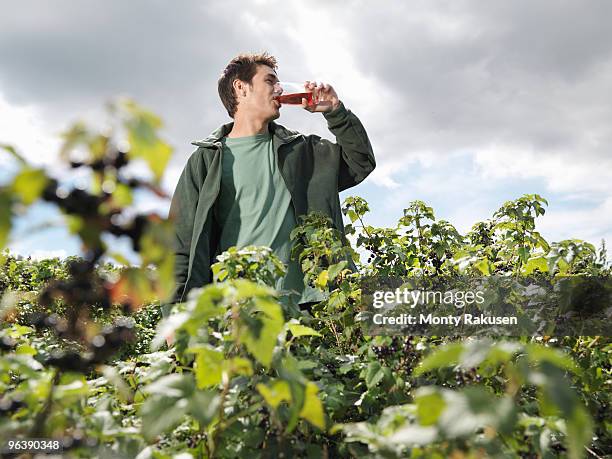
(84, 358)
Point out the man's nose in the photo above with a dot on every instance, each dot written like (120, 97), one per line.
(278, 89)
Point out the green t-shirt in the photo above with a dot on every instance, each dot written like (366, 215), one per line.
(254, 206)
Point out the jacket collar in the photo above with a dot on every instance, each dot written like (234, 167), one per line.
(280, 133)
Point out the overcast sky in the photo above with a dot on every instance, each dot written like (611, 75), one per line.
(467, 103)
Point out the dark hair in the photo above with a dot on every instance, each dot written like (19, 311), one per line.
(243, 67)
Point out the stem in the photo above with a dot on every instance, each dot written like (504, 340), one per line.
(593, 453)
(417, 224)
(38, 428)
(364, 226)
(235, 319)
(594, 342)
(522, 241)
(221, 415)
(221, 424)
(335, 332)
(279, 427)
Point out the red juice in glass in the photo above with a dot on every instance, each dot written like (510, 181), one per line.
(293, 93)
(295, 98)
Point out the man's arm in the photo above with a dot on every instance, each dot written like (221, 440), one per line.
(182, 212)
(356, 154)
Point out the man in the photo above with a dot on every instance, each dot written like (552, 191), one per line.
(249, 181)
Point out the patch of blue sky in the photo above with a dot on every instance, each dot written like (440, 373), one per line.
(458, 192)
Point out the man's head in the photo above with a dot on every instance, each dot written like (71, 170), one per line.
(247, 84)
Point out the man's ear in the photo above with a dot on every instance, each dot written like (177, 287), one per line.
(239, 88)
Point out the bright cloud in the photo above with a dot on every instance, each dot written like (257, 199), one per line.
(467, 104)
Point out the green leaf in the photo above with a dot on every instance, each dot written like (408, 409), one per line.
(298, 330)
(208, 303)
(112, 376)
(335, 269)
(322, 279)
(160, 414)
(558, 397)
(144, 142)
(238, 366)
(444, 356)
(538, 353)
(77, 388)
(277, 393)
(208, 367)
(484, 266)
(523, 253)
(204, 406)
(29, 184)
(154, 243)
(122, 195)
(539, 263)
(411, 435)
(171, 398)
(429, 408)
(260, 330)
(167, 327)
(461, 413)
(579, 429)
(489, 354)
(439, 250)
(246, 289)
(173, 385)
(374, 374)
(25, 349)
(17, 331)
(219, 273)
(312, 410)
(75, 223)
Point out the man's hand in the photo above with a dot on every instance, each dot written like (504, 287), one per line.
(324, 94)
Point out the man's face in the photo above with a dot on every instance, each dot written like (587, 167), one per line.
(259, 100)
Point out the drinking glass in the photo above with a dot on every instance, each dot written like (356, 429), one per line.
(292, 93)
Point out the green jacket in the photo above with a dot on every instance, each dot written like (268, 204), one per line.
(314, 169)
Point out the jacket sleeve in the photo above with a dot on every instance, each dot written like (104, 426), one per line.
(356, 155)
(182, 213)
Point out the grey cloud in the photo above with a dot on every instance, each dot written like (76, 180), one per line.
(69, 50)
(463, 73)
(68, 57)
(467, 73)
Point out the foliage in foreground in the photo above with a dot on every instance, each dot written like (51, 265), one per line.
(84, 357)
